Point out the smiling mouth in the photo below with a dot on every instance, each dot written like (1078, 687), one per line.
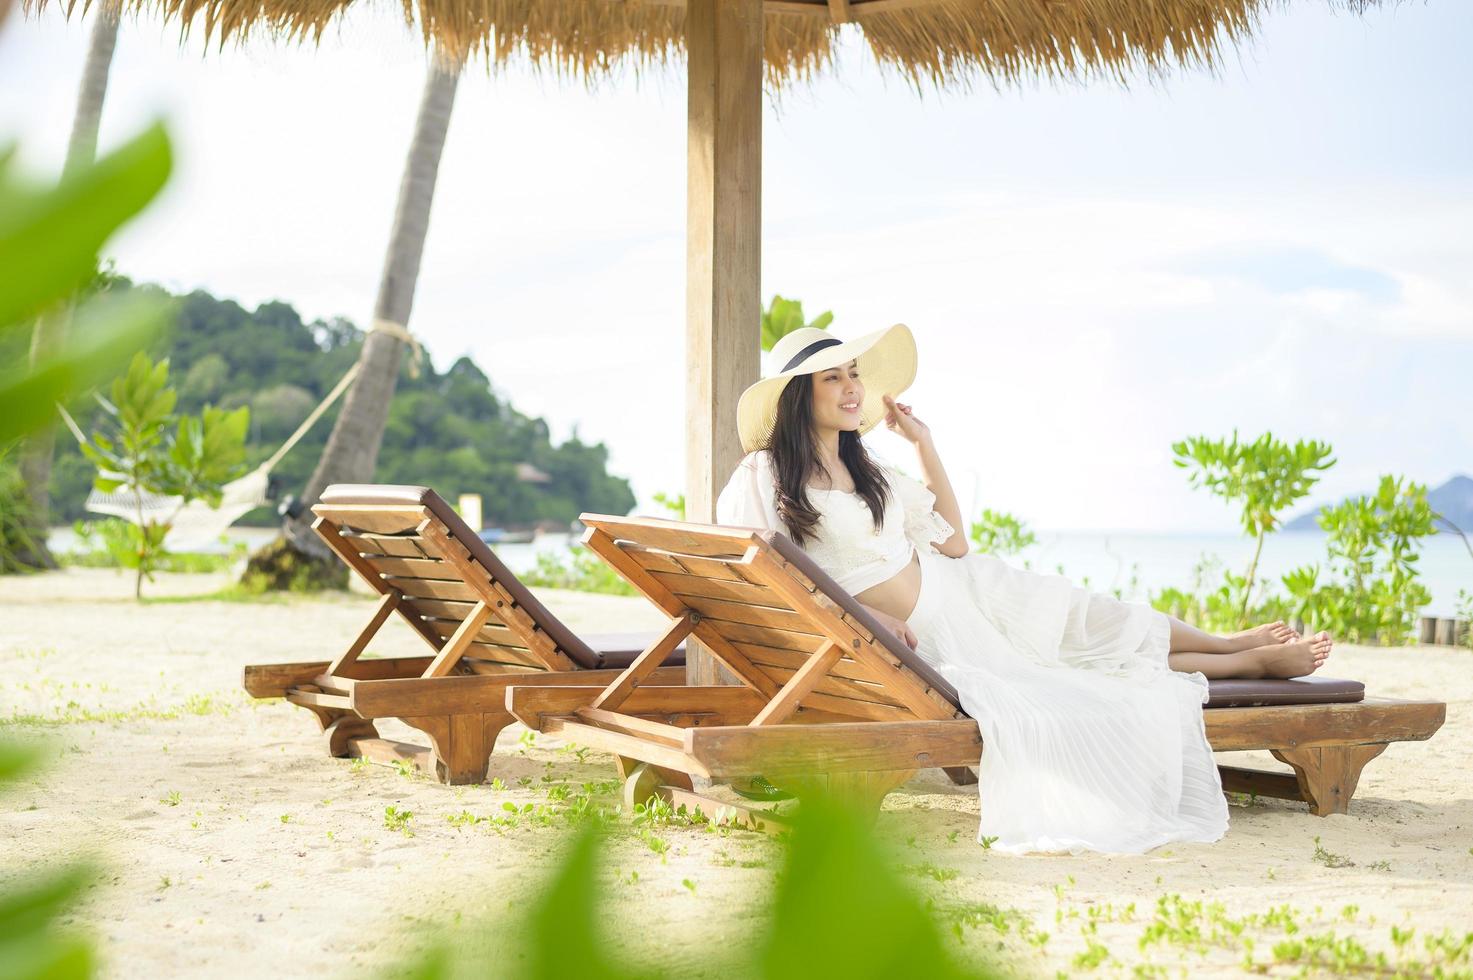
(850, 407)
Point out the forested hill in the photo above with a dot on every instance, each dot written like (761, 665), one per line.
(446, 430)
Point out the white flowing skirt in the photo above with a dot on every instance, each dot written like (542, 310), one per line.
(1091, 742)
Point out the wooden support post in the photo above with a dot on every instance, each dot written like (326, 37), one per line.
(803, 681)
(723, 252)
(459, 641)
(1329, 774)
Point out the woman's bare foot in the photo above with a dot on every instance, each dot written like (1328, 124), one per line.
(1269, 634)
(1296, 659)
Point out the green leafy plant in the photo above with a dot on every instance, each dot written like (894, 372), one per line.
(1465, 613)
(783, 316)
(578, 569)
(1221, 608)
(150, 451)
(109, 543)
(673, 502)
(397, 820)
(999, 533)
(1262, 478)
(1370, 591)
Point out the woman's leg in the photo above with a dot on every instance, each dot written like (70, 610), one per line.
(1188, 639)
(1276, 660)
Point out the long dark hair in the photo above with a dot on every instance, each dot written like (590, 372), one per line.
(794, 451)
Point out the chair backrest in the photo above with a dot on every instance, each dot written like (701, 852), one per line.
(766, 610)
(408, 540)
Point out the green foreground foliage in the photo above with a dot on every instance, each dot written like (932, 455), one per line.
(49, 240)
(33, 944)
(838, 909)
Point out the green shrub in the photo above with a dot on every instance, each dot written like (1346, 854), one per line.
(578, 569)
(17, 521)
(999, 533)
(1369, 592)
(1263, 478)
(110, 543)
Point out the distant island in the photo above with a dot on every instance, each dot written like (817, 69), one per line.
(1453, 500)
(447, 429)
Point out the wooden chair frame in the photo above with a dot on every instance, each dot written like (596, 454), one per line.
(836, 710)
(481, 641)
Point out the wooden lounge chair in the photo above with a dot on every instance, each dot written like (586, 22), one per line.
(484, 628)
(831, 701)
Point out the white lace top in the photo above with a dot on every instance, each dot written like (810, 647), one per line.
(847, 544)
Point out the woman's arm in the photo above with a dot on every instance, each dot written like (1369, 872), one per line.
(897, 626)
(935, 478)
(900, 420)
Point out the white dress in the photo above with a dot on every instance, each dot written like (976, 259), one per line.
(1092, 742)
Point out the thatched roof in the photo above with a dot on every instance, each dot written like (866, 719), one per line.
(944, 41)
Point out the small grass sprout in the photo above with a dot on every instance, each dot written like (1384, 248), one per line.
(397, 820)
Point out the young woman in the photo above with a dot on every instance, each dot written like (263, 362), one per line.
(1090, 708)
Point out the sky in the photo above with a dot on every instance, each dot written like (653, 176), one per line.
(1092, 271)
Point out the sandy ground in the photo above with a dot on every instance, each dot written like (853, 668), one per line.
(231, 845)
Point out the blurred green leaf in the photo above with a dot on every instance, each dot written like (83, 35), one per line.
(31, 947)
(112, 328)
(840, 910)
(49, 239)
(17, 759)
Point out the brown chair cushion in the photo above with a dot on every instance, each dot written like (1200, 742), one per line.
(392, 495)
(615, 651)
(1241, 693)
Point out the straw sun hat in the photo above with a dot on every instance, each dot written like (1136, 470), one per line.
(887, 366)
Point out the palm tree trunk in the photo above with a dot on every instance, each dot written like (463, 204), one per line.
(352, 447)
(50, 329)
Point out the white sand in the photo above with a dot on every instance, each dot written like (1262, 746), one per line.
(276, 859)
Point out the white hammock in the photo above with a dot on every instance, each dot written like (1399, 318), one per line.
(198, 524)
(195, 525)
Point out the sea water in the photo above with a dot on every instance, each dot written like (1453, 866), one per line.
(1135, 562)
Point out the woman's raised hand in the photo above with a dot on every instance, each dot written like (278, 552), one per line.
(900, 420)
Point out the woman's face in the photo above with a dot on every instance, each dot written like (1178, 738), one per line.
(838, 394)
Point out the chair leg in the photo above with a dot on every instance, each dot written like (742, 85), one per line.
(462, 743)
(1328, 774)
(629, 768)
(862, 791)
(344, 730)
(961, 775)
